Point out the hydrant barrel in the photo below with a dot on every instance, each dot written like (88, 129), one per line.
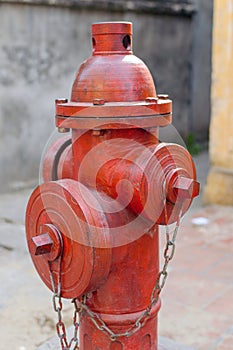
(92, 226)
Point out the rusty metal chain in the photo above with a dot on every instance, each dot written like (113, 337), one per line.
(80, 306)
(58, 306)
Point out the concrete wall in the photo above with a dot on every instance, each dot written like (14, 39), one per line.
(41, 48)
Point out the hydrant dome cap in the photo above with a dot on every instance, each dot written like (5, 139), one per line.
(113, 83)
(112, 73)
(113, 79)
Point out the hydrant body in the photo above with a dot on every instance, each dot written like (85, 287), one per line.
(93, 224)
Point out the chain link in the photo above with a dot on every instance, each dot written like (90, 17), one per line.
(80, 306)
(58, 306)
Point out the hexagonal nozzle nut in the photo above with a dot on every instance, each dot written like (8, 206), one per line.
(42, 244)
(186, 188)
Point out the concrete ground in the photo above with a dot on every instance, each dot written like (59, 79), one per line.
(197, 308)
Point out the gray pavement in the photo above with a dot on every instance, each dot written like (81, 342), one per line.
(164, 344)
(25, 321)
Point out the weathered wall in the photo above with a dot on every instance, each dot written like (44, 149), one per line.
(219, 187)
(201, 69)
(41, 48)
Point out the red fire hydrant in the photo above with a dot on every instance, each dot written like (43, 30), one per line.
(92, 226)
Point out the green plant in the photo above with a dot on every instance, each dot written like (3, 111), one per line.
(193, 147)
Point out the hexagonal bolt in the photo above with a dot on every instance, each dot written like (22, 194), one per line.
(98, 132)
(163, 96)
(186, 188)
(61, 100)
(63, 130)
(42, 244)
(98, 102)
(151, 99)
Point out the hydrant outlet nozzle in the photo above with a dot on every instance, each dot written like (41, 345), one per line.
(48, 243)
(42, 243)
(182, 188)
